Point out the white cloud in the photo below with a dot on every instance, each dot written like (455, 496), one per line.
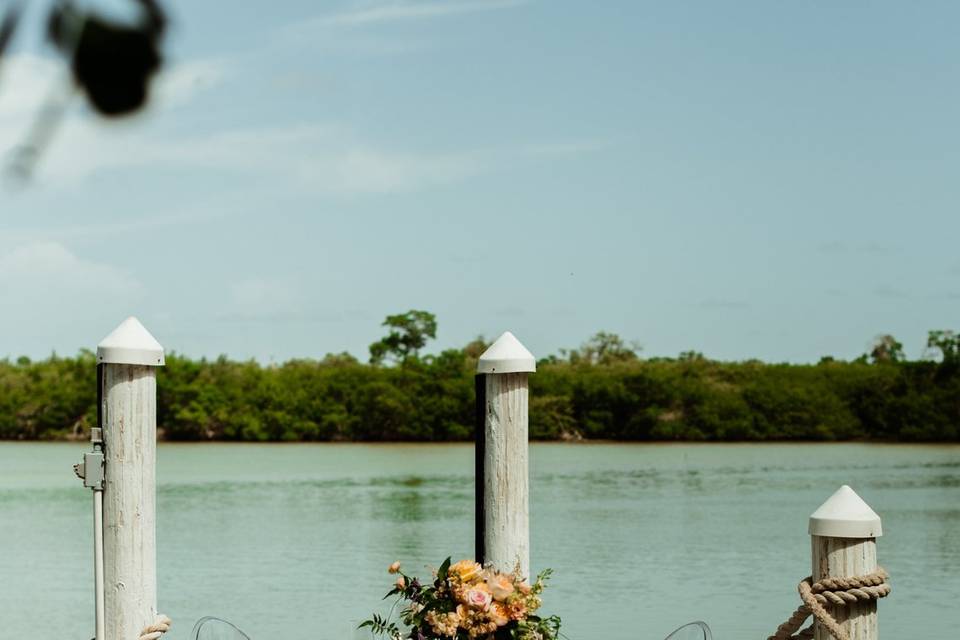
(308, 158)
(305, 158)
(405, 10)
(344, 32)
(49, 269)
(51, 298)
(147, 220)
(25, 82)
(181, 83)
(365, 170)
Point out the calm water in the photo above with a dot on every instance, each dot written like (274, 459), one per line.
(291, 541)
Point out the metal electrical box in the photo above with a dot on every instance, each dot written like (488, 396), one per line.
(93, 470)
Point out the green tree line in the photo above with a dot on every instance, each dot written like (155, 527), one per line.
(601, 390)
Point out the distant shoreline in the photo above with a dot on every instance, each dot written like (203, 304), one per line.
(571, 443)
(431, 399)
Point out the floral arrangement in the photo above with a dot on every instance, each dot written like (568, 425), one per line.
(466, 601)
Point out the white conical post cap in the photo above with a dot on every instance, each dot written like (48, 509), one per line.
(506, 355)
(845, 515)
(130, 343)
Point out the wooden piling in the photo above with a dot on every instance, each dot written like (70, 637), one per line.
(843, 539)
(129, 357)
(502, 472)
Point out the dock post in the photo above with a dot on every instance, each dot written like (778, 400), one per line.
(127, 361)
(502, 456)
(843, 533)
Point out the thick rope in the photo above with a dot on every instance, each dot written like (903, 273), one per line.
(838, 592)
(159, 627)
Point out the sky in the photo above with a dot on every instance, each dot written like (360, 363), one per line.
(773, 180)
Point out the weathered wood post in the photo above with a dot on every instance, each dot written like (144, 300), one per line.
(126, 360)
(843, 532)
(502, 467)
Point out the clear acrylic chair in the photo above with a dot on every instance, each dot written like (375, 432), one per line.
(692, 631)
(210, 628)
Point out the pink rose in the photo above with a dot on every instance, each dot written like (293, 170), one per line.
(478, 598)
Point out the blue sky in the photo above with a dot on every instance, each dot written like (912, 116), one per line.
(753, 179)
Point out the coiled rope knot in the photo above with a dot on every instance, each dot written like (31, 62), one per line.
(837, 592)
(159, 627)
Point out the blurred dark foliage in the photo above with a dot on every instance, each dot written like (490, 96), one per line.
(111, 61)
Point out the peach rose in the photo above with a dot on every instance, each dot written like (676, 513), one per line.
(401, 583)
(499, 614)
(500, 586)
(394, 568)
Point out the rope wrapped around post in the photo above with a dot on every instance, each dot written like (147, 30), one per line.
(831, 591)
(159, 627)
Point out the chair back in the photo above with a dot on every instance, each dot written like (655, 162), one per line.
(692, 631)
(210, 628)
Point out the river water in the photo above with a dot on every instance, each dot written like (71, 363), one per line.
(291, 542)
